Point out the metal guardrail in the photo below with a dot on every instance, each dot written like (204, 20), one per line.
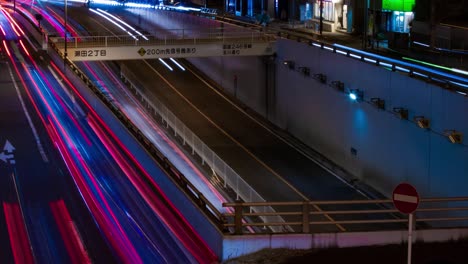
(452, 82)
(430, 211)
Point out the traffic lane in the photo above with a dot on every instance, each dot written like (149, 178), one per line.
(154, 87)
(27, 164)
(103, 165)
(6, 255)
(103, 26)
(133, 211)
(284, 160)
(43, 182)
(156, 231)
(38, 182)
(146, 222)
(14, 128)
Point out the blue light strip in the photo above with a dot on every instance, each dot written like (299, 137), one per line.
(404, 65)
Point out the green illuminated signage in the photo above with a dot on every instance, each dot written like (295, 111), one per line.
(398, 5)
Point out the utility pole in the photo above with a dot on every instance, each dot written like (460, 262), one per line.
(321, 17)
(365, 27)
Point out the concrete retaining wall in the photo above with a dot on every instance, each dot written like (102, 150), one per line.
(388, 150)
(235, 246)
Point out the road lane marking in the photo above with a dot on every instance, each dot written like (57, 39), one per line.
(28, 117)
(240, 145)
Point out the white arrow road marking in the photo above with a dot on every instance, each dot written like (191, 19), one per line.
(405, 198)
(5, 158)
(8, 148)
(26, 113)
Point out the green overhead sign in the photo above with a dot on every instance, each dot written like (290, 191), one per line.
(398, 5)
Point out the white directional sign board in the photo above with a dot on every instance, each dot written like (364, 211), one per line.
(169, 51)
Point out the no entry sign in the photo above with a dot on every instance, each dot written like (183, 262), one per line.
(405, 198)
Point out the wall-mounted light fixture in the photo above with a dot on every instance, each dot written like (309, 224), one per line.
(337, 85)
(290, 64)
(356, 94)
(401, 112)
(320, 77)
(454, 136)
(305, 71)
(422, 122)
(378, 102)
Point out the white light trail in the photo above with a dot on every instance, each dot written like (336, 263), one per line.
(113, 22)
(178, 64)
(165, 64)
(123, 22)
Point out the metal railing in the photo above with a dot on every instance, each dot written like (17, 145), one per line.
(227, 175)
(353, 214)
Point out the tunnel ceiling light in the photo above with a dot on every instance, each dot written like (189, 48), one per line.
(356, 94)
(422, 122)
(378, 102)
(454, 136)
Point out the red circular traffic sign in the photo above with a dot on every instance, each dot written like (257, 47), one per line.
(405, 198)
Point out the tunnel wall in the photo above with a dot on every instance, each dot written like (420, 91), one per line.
(242, 77)
(388, 150)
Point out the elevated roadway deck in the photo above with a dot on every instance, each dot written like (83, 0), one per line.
(181, 43)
